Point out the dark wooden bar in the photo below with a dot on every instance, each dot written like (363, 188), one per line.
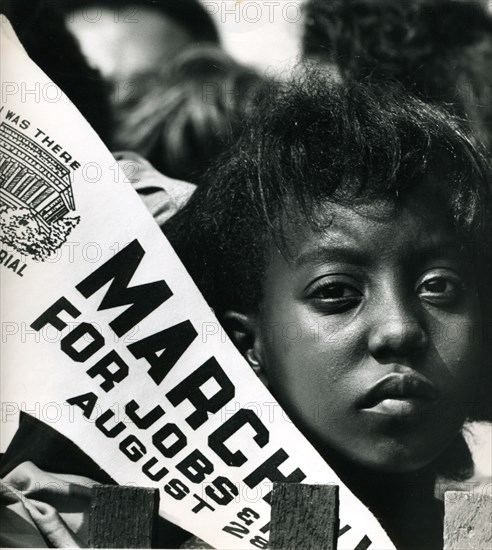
(122, 517)
(304, 516)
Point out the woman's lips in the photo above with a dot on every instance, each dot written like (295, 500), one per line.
(399, 407)
(400, 395)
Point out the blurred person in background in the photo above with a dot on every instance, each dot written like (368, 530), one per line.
(440, 50)
(134, 43)
(188, 113)
(127, 38)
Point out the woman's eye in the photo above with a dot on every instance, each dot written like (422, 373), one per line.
(441, 289)
(438, 285)
(335, 296)
(335, 291)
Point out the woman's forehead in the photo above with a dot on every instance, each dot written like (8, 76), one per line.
(376, 227)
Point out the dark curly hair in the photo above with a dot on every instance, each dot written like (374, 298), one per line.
(316, 140)
(441, 50)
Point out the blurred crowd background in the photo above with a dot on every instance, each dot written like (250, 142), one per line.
(172, 80)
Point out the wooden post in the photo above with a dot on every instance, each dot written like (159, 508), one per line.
(122, 517)
(304, 516)
(467, 521)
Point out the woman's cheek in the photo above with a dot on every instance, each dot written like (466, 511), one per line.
(458, 345)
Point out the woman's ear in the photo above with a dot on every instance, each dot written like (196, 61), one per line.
(243, 329)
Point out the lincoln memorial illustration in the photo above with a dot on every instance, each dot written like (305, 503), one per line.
(32, 178)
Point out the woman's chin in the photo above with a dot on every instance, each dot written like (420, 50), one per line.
(387, 458)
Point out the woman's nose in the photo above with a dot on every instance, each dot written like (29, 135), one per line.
(396, 331)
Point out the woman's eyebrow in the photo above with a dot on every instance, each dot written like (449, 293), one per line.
(411, 252)
(423, 251)
(332, 252)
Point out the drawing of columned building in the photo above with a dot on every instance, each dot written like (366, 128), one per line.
(31, 177)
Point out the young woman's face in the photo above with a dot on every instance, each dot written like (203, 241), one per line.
(369, 334)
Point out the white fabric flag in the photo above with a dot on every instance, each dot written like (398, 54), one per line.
(106, 338)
